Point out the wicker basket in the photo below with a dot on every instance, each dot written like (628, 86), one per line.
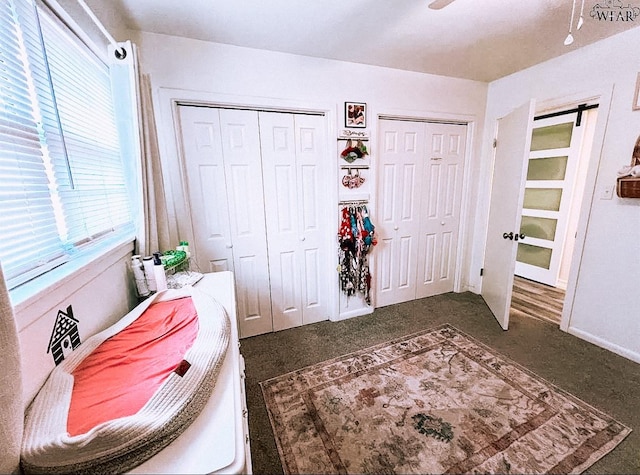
(628, 186)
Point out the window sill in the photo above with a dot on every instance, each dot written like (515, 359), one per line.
(30, 297)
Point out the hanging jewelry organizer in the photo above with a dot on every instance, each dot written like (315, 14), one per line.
(356, 232)
(354, 162)
(356, 237)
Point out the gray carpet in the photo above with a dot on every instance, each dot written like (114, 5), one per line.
(606, 381)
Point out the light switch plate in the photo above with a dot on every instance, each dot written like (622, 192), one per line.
(607, 192)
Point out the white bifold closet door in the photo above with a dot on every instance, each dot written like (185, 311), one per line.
(292, 150)
(420, 190)
(253, 180)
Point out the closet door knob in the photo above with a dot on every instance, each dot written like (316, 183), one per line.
(441, 223)
(229, 246)
(302, 238)
(395, 228)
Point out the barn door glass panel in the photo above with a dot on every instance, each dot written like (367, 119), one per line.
(542, 198)
(548, 168)
(552, 136)
(540, 228)
(534, 255)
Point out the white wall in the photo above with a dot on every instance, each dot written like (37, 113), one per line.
(604, 278)
(230, 74)
(606, 272)
(100, 293)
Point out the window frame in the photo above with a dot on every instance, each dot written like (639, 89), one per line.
(25, 286)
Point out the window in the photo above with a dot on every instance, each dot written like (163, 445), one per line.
(62, 184)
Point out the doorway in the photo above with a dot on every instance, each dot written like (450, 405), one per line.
(504, 233)
(561, 144)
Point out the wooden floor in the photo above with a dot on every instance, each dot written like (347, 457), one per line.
(536, 300)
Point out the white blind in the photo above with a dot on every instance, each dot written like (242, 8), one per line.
(61, 175)
(95, 199)
(28, 225)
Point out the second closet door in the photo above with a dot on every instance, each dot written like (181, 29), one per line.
(421, 169)
(292, 151)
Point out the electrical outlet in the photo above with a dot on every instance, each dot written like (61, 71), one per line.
(607, 192)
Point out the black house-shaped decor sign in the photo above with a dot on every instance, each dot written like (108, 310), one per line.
(65, 335)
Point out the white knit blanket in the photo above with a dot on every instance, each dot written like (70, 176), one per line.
(120, 444)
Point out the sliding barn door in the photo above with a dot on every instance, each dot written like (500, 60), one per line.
(292, 155)
(222, 156)
(420, 190)
(556, 144)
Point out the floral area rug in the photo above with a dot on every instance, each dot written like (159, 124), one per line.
(433, 402)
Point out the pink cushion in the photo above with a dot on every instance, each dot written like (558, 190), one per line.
(125, 371)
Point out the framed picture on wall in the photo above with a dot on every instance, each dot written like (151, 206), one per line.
(355, 114)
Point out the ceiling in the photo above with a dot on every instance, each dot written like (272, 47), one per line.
(474, 39)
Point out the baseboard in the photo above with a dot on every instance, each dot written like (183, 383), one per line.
(631, 355)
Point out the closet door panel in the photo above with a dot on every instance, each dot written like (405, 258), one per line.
(204, 166)
(402, 149)
(288, 293)
(309, 204)
(428, 263)
(313, 282)
(313, 181)
(280, 185)
(292, 150)
(441, 200)
(384, 251)
(242, 159)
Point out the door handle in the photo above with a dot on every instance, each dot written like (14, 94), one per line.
(512, 236)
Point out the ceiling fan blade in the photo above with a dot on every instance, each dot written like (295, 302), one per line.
(439, 4)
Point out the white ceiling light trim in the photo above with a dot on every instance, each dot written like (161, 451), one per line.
(569, 39)
(439, 4)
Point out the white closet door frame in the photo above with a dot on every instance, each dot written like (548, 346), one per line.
(174, 173)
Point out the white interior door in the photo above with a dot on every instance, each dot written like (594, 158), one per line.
(441, 192)
(401, 157)
(292, 155)
(507, 191)
(551, 175)
(229, 232)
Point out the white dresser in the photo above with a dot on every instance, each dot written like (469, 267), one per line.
(218, 440)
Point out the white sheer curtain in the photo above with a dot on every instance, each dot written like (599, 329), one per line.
(155, 236)
(11, 400)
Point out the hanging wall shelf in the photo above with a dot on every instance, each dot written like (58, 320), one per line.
(628, 186)
(353, 135)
